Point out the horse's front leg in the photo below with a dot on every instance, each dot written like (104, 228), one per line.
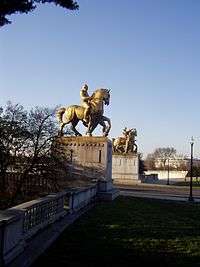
(109, 125)
(102, 123)
(92, 127)
(136, 148)
(89, 129)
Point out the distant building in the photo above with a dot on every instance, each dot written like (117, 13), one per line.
(175, 163)
(173, 169)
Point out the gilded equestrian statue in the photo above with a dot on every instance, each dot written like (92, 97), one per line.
(90, 113)
(126, 143)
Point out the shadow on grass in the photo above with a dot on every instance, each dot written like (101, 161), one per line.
(130, 232)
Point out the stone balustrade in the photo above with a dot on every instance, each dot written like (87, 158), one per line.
(21, 223)
(82, 198)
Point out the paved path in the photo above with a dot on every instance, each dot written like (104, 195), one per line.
(165, 192)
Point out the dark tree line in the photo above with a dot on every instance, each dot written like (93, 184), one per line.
(26, 139)
(9, 7)
(195, 171)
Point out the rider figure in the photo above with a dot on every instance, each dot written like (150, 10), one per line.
(125, 132)
(85, 98)
(128, 135)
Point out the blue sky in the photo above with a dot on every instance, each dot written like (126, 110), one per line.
(146, 51)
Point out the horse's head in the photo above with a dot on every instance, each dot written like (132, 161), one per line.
(102, 94)
(133, 132)
(106, 96)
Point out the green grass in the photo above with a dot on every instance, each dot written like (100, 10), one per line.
(130, 232)
(187, 183)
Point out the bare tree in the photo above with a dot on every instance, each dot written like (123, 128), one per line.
(13, 135)
(42, 130)
(26, 145)
(37, 157)
(159, 157)
(150, 162)
(142, 166)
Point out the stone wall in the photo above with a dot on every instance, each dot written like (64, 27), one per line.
(86, 156)
(125, 169)
(21, 225)
(164, 174)
(89, 157)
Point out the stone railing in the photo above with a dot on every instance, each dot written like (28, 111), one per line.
(41, 212)
(82, 198)
(21, 223)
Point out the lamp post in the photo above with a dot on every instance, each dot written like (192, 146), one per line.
(191, 170)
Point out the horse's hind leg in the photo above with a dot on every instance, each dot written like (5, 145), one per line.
(73, 127)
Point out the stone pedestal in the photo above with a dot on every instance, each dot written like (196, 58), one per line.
(125, 169)
(90, 157)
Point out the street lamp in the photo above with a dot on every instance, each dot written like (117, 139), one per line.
(191, 170)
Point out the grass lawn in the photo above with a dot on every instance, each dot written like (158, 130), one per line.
(187, 183)
(130, 232)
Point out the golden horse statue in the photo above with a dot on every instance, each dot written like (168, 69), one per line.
(73, 114)
(126, 143)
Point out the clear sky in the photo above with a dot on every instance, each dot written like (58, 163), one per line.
(146, 51)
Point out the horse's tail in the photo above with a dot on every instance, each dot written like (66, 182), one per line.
(59, 114)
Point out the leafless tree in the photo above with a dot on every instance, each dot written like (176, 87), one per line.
(159, 157)
(26, 140)
(150, 162)
(35, 154)
(13, 135)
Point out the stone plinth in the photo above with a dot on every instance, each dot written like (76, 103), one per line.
(87, 156)
(125, 169)
(90, 157)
